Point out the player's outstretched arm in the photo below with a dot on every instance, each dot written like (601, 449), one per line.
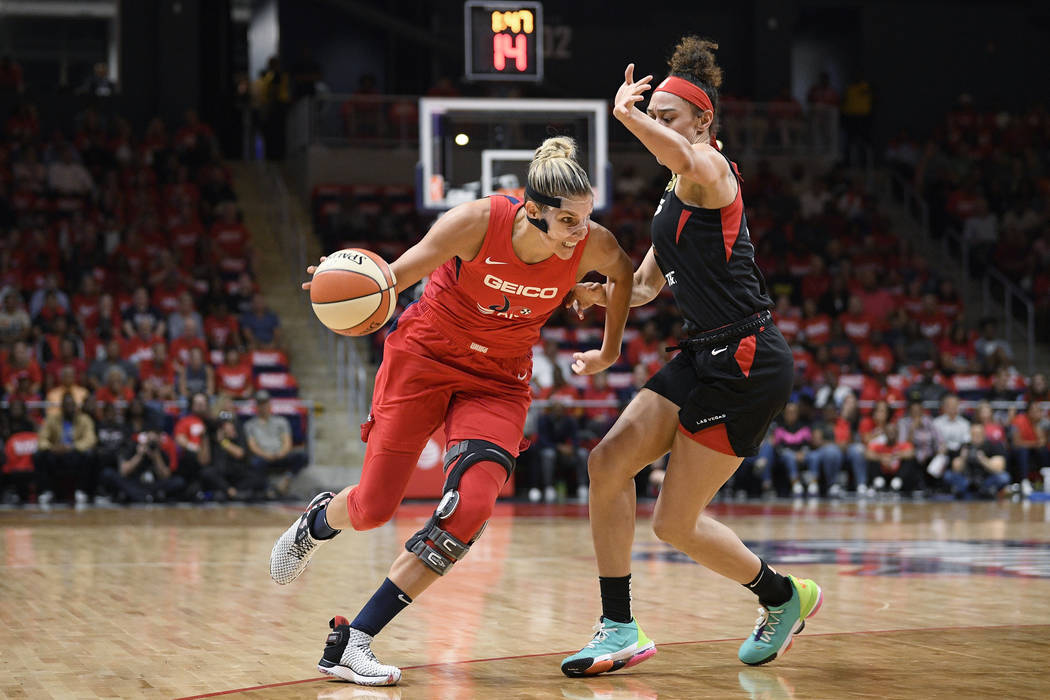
(699, 163)
(604, 255)
(648, 280)
(459, 232)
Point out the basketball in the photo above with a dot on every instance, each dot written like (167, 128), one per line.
(353, 292)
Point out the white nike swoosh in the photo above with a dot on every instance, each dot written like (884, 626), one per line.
(490, 261)
(523, 376)
(403, 599)
(720, 350)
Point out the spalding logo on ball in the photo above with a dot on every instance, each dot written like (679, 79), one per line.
(353, 292)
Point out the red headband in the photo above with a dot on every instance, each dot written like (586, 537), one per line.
(687, 91)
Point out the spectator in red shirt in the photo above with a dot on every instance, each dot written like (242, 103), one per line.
(116, 388)
(788, 318)
(190, 338)
(932, 322)
(157, 373)
(86, 303)
(893, 461)
(22, 364)
(958, 355)
(647, 347)
(67, 357)
(815, 326)
(1028, 436)
(221, 328)
(234, 376)
(597, 420)
(229, 237)
(140, 346)
(166, 294)
(876, 357)
(191, 437)
(856, 324)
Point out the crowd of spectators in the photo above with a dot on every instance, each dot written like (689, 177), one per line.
(133, 337)
(986, 178)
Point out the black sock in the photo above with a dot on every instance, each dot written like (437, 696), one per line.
(381, 608)
(319, 527)
(616, 597)
(772, 589)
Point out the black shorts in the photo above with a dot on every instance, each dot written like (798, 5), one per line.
(730, 392)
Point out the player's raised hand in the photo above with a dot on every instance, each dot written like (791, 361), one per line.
(585, 295)
(630, 93)
(311, 270)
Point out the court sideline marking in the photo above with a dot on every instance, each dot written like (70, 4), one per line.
(665, 644)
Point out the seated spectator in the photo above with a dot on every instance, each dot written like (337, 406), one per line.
(66, 385)
(112, 433)
(270, 444)
(848, 439)
(185, 321)
(65, 453)
(109, 357)
(144, 472)
(917, 428)
(958, 355)
(928, 389)
(261, 327)
(194, 450)
(221, 328)
(1038, 389)
(15, 419)
(597, 420)
(68, 177)
(789, 446)
(142, 314)
(140, 346)
(894, 461)
(953, 431)
(825, 457)
(16, 476)
(228, 476)
(562, 460)
(15, 323)
(981, 463)
(647, 348)
(989, 344)
(22, 365)
(234, 375)
(117, 387)
(1028, 437)
(196, 376)
(67, 358)
(158, 373)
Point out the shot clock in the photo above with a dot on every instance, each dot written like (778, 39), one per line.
(504, 40)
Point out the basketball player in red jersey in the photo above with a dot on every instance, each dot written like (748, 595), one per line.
(711, 405)
(461, 356)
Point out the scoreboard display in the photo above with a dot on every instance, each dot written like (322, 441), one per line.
(504, 40)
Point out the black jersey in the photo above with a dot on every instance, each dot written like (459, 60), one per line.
(708, 260)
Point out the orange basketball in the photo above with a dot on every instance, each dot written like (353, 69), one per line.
(353, 292)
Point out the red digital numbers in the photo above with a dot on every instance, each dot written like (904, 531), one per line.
(506, 46)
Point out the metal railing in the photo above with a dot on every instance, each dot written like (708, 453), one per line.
(998, 294)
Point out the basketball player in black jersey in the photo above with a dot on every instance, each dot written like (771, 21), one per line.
(711, 405)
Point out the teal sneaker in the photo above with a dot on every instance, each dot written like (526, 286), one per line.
(615, 645)
(775, 628)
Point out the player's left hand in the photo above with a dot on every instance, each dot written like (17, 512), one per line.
(590, 362)
(630, 93)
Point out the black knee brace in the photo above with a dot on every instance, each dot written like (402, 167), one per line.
(435, 547)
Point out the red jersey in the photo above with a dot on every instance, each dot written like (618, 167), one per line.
(192, 428)
(496, 303)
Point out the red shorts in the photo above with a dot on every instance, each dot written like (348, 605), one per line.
(427, 379)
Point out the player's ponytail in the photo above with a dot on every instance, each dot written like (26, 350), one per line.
(554, 171)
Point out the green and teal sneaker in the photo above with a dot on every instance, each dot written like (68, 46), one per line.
(615, 645)
(775, 628)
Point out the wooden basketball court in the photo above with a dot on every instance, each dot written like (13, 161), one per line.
(921, 601)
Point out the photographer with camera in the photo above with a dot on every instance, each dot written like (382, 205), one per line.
(143, 473)
(228, 475)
